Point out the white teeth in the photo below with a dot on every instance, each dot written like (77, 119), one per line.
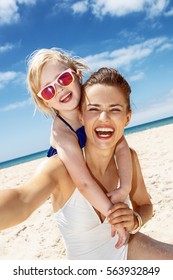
(65, 96)
(104, 129)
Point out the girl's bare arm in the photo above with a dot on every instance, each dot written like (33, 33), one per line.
(124, 162)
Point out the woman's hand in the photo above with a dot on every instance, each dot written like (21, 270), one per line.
(121, 214)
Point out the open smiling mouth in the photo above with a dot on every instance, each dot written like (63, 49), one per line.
(104, 132)
(66, 97)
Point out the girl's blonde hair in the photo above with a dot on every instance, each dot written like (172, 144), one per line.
(36, 62)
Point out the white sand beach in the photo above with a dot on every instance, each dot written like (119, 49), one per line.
(39, 238)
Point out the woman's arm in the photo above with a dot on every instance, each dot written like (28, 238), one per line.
(139, 196)
(121, 212)
(17, 204)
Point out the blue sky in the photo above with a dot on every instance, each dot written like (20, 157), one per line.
(134, 36)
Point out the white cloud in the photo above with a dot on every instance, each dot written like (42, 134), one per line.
(126, 56)
(6, 47)
(119, 8)
(169, 13)
(11, 76)
(137, 77)
(116, 8)
(9, 10)
(80, 7)
(166, 46)
(156, 7)
(7, 76)
(16, 105)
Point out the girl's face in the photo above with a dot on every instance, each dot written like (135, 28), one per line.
(104, 115)
(67, 98)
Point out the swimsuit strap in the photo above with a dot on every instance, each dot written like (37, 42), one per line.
(64, 121)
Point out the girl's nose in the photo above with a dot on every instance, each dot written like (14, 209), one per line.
(58, 88)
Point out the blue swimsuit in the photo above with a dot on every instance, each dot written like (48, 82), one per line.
(80, 132)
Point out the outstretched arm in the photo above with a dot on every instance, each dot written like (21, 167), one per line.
(17, 204)
(124, 163)
(66, 143)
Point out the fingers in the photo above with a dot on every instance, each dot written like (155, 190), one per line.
(113, 230)
(117, 209)
(118, 206)
(121, 215)
(121, 221)
(121, 240)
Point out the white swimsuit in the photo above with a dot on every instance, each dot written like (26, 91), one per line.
(85, 236)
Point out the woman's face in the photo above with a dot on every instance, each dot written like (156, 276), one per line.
(104, 115)
(66, 98)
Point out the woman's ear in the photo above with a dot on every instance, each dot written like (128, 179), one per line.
(129, 114)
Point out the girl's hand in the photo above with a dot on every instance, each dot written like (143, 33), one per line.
(117, 195)
(121, 214)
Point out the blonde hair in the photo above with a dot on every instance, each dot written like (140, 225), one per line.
(36, 62)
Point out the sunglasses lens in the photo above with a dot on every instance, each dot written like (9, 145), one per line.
(48, 92)
(65, 79)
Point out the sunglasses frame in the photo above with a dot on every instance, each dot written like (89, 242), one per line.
(69, 70)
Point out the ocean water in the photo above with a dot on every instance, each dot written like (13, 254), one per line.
(148, 125)
(23, 159)
(128, 130)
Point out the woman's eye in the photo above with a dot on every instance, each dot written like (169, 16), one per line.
(115, 110)
(93, 109)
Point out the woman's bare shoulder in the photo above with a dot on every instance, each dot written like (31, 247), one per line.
(133, 154)
(52, 167)
(135, 164)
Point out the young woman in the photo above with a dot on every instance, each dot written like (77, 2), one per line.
(105, 104)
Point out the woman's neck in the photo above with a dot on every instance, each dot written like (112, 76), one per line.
(98, 159)
(72, 118)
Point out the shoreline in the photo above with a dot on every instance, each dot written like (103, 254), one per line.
(38, 237)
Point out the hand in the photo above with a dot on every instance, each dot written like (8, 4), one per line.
(122, 235)
(121, 214)
(117, 195)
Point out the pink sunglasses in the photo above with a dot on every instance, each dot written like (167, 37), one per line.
(65, 79)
